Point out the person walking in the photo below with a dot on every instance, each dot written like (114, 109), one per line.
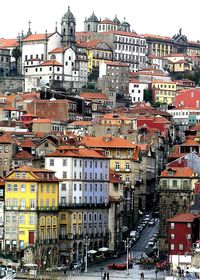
(142, 276)
(108, 276)
(104, 276)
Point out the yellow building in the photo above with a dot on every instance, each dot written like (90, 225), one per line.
(97, 52)
(179, 62)
(115, 119)
(163, 92)
(31, 208)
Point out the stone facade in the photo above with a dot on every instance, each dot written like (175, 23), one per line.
(11, 84)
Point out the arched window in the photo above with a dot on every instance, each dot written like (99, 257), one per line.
(88, 27)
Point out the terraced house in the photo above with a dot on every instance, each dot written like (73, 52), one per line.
(31, 210)
(83, 198)
(124, 160)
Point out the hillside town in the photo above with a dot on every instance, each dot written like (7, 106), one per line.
(99, 143)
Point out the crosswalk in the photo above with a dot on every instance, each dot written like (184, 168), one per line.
(10, 276)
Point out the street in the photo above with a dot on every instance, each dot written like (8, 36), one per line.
(96, 271)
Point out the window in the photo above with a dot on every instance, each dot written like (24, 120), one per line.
(188, 236)
(64, 174)
(51, 163)
(172, 236)
(48, 188)
(117, 152)
(53, 188)
(32, 203)
(31, 220)
(172, 247)
(172, 226)
(117, 166)
(32, 188)
(64, 162)
(127, 166)
(188, 225)
(74, 187)
(23, 203)
(63, 187)
(174, 183)
(180, 246)
(15, 188)
(9, 188)
(6, 148)
(21, 220)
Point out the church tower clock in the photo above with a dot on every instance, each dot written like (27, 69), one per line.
(68, 29)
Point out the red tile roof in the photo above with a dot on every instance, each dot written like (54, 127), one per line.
(183, 218)
(41, 120)
(8, 43)
(123, 33)
(93, 95)
(107, 142)
(23, 155)
(51, 63)
(108, 21)
(6, 138)
(37, 37)
(114, 117)
(27, 143)
(89, 45)
(178, 172)
(157, 37)
(70, 151)
(115, 63)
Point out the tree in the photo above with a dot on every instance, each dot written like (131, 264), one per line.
(16, 53)
(148, 96)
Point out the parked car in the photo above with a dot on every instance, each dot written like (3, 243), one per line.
(151, 222)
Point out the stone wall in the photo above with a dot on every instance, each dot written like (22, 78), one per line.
(11, 84)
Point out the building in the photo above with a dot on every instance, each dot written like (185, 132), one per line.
(97, 52)
(137, 90)
(180, 246)
(114, 79)
(5, 62)
(31, 210)
(163, 45)
(176, 189)
(163, 91)
(83, 198)
(124, 161)
(2, 217)
(128, 47)
(8, 148)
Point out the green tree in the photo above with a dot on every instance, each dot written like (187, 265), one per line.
(148, 96)
(16, 53)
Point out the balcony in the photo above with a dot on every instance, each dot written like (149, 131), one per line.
(48, 241)
(64, 206)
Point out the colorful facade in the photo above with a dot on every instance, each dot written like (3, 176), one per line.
(31, 208)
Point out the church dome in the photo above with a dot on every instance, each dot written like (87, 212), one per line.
(93, 18)
(68, 14)
(115, 20)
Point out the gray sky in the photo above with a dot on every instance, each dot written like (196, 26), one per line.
(160, 17)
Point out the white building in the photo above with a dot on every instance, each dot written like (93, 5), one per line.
(136, 90)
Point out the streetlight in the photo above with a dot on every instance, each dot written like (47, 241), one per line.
(127, 243)
(87, 242)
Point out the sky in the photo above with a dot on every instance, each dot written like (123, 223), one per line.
(159, 17)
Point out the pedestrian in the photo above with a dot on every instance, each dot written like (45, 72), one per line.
(104, 276)
(107, 275)
(142, 275)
